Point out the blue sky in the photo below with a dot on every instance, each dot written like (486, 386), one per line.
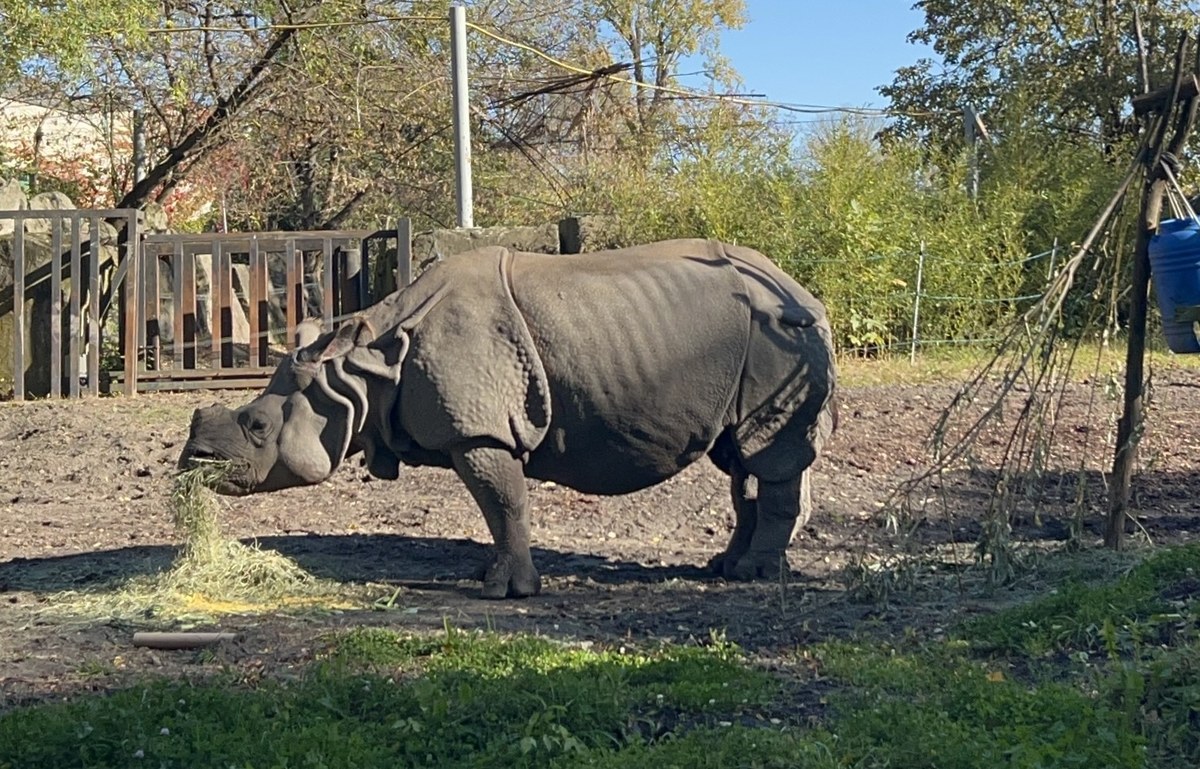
(825, 52)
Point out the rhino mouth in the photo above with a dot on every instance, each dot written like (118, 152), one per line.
(234, 477)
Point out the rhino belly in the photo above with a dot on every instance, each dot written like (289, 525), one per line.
(642, 366)
(597, 457)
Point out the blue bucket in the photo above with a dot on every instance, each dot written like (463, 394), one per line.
(1175, 267)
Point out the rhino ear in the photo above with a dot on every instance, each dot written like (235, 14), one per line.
(307, 333)
(356, 332)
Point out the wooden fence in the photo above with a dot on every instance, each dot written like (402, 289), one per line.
(208, 310)
(80, 262)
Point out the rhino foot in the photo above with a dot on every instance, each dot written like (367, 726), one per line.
(750, 566)
(511, 576)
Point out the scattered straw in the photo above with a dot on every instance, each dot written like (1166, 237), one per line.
(212, 575)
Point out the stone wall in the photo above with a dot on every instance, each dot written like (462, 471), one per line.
(573, 235)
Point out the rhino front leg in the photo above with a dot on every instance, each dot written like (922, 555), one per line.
(496, 480)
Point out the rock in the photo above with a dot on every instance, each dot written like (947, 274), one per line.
(155, 218)
(51, 201)
(108, 233)
(12, 198)
(583, 234)
(435, 245)
(240, 324)
(48, 201)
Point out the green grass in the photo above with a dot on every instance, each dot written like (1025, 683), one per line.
(1006, 691)
(1141, 606)
(941, 708)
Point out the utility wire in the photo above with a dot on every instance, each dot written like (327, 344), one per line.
(598, 73)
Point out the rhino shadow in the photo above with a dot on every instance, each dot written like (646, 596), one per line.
(432, 563)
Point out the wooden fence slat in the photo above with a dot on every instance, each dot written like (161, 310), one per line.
(259, 303)
(294, 291)
(152, 301)
(351, 288)
(18, 369)
(75, 328)
(225, 280)
(132, 305)
(404, 274)
(187, 305)
(93, 310)
(178, 308)
(56, 269)
(214, 306)
(328, 276)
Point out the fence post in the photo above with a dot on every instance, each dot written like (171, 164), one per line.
(912, 353)
(18, 289)
(133, 308)
(56, 315)
(1050, 269)
(404, 255)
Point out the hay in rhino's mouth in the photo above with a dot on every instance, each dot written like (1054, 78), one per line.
(210, 470)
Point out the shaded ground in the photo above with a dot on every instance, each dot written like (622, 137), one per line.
(84, 500)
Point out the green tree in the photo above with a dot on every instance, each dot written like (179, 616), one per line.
(1069, 65)
(59, 36)
(657, 34)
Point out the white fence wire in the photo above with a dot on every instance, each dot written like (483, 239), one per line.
(919, 298)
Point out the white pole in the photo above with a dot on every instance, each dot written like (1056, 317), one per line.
(912, 353)
(462, 122)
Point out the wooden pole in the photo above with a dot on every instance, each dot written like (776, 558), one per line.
(1130, 425)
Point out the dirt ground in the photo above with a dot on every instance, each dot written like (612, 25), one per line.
(84, 492)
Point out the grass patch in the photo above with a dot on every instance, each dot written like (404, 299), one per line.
(1153, 598)
(954, 363)
(382, 699)
(212, 575)
(938, 707)
(476, 700)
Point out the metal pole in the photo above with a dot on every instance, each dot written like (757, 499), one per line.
(912, 353)
(462, 123)
(139, 146)
(971, 136)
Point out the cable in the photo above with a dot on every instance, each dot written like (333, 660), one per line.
(809, 109)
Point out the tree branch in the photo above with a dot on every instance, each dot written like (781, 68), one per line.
(218, 119)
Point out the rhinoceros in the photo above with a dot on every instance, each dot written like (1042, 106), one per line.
(606, 372)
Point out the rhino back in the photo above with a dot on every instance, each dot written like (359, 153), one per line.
(643, 350)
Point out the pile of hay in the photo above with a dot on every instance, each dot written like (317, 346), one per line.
(212, 574)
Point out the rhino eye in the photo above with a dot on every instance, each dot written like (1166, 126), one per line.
(258, 425)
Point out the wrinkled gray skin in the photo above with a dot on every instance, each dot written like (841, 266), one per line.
(605, 372)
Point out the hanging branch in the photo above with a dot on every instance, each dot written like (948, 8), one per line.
(1033, 360)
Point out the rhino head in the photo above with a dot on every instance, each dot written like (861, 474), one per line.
(309, 418)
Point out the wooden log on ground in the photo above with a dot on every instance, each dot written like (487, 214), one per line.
(181, 640)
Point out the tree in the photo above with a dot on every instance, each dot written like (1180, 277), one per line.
(58, 37)
(657, 34)
(1068, 65)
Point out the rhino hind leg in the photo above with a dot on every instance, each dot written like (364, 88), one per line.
(780, 510)
(496, 480)
(745, 510)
